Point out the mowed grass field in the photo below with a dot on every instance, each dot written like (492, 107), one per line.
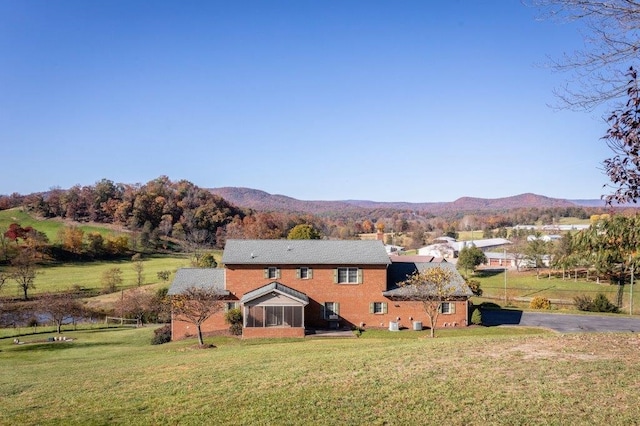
(525, 285)
(88, 275)
(474, 376)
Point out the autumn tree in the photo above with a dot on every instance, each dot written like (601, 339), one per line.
(138, 267)
(536, 250)
(623, 138)
(612, 246)
(23, 271)
(72, 238)
(196, 305)
(303, 232)
(470, 257)
(59, 307)
(432, 286)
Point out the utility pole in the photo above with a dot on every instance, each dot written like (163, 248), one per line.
(631, 291)
(505, 275)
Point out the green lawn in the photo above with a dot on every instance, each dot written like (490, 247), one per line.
(116, 377)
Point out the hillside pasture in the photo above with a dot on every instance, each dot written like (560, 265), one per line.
(87, 276)
(117, 377)
(50, 227)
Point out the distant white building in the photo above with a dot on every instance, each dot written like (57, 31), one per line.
(450, 248)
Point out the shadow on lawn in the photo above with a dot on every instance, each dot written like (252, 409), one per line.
(488, 272)
(54, 346)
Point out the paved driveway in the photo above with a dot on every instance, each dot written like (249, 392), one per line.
(564, 323)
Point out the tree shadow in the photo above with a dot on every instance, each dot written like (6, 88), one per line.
(485, 273)
(54, 346)
(495, 317)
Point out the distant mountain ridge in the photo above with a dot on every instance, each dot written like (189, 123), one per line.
(263, 201)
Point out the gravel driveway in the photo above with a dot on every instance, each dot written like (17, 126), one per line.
(564, 323)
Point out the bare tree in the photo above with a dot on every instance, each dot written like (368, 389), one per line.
(3, 279)
(196, 241)
(597, 72)
(24, 271)
(196, 305)
(59, 307)
(431, 286)
(136, 303)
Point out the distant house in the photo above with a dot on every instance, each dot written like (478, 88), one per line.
(450, 248)
(287, 287)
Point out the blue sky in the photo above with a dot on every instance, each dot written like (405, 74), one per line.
(318, 100)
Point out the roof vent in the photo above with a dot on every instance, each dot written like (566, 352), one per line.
(288, 248)
(253, 255)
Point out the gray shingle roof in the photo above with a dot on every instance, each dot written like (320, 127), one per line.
(398, 272)
(275, 286)
(205, 278)
(305, 252)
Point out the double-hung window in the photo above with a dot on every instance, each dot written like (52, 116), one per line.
(272, 272)
(330, 310)
(377, 308)
(304, 273)
(348, 275)
(447, 308)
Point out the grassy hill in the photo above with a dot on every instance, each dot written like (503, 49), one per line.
(50, 227)
(480, 376)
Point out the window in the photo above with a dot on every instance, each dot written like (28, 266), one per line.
(348, 276)
(231, 305)
(272, 272)
(304, 273)
(330, 310)
(447, 308)
(377, 308)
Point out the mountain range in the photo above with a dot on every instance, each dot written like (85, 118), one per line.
(263, 201)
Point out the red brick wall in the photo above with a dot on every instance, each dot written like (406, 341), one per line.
(354, 300)
(251, 332)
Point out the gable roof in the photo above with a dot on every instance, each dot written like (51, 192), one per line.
(305, 252)
(399, 271)
(275, 287)
(204, 278)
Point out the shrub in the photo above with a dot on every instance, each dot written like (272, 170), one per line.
(233, 317)
(164, 275)
(476, 316)
(161, 335)
(602, 304)
(583, 303)
(540, 303)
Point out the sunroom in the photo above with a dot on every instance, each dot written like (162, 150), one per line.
(273, 310)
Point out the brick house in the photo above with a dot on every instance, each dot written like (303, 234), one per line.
(287, 287)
